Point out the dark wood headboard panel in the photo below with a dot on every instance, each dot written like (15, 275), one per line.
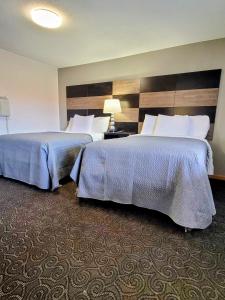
(194, 93)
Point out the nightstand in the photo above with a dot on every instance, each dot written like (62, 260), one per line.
(116, 135)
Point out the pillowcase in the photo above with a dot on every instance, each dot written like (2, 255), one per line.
(199, 126)
(82, 124)
(149, 125)
(172, 126)
(100, 124)
(69, 125)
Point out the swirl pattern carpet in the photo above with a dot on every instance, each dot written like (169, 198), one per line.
(53, 246)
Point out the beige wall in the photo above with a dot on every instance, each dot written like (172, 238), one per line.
(32, 89)
(193, 57)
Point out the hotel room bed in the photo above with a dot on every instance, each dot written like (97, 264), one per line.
(166, 174)
(40, 159)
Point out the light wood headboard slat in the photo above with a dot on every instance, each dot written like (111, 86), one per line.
(127, 115)
(95, 102)
(157, 99)
(123, 87)
(199, 97)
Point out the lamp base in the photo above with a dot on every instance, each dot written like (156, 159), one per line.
(112, 124)
(112, 129)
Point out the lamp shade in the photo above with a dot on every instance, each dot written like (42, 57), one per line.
(112, 106)
(4, 107)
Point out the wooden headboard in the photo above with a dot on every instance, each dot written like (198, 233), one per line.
(194, 93)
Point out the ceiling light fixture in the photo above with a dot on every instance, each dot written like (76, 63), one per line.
(46, 18)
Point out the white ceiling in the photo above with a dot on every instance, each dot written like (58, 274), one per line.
(95, 30)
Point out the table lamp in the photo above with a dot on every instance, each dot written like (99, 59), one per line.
(112, 106)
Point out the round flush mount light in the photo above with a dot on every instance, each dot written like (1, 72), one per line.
(46, 18)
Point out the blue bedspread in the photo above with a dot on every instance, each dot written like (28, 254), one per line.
(40, 159)
(160, 173)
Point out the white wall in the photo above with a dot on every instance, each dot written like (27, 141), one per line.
(32, 89)
(189, 58)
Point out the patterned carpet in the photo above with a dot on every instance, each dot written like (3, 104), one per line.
(54, 247)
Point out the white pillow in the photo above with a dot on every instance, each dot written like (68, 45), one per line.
(100, 124)
(172, 126)
(199, 126)
(82, 124)
(149, 125)
(69, 125)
